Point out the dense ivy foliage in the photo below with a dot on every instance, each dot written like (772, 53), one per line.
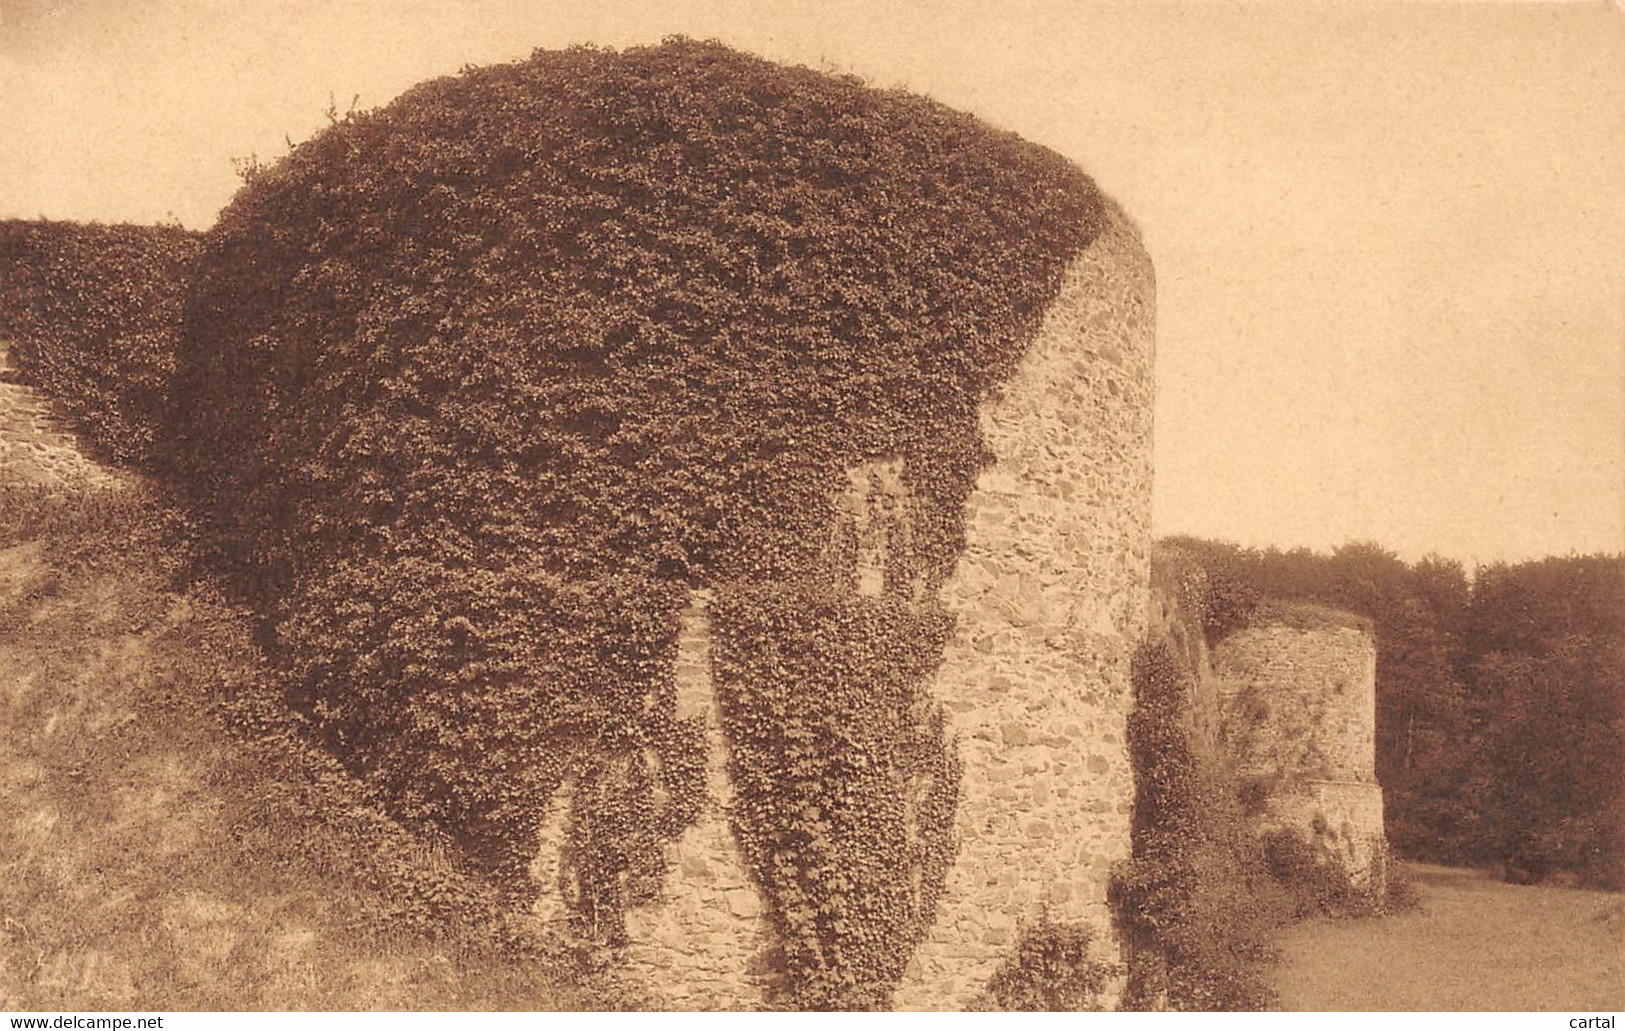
(93, 313)
(475, 387)
(847, 786)
(1197, 900)
(1049, 971)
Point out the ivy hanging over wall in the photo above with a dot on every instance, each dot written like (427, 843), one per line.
(847, 786)
(475, 388)
(1196, 899)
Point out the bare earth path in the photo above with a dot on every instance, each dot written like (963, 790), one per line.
(1477, 944)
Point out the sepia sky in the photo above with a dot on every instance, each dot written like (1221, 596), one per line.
(1389, 238)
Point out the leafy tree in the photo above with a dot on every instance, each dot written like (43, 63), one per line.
(1548, 680)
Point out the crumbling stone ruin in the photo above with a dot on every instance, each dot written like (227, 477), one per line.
(1286, 703)
(1297, 691)
(1049, 598)
(715, 499)
(783, 448)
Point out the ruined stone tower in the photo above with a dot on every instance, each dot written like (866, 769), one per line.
(1298, 696)
(1049, 595)
(778, 517)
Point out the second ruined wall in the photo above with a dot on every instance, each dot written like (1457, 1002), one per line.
(1297, 694)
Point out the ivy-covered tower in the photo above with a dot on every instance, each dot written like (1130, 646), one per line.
(1049, 598)
(712, 495)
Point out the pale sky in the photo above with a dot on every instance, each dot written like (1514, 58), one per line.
(1389, 239)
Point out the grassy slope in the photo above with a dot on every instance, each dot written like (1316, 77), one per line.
(151, 860)
(1477, 944)
(167, 842)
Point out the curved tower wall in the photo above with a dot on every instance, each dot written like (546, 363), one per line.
(1050, 594)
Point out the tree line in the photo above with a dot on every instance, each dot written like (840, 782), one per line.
(1500, 696)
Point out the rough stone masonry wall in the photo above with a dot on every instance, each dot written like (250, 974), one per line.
(1300, 703)
(1050, 595)
(36, 447)
(1299, 715)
